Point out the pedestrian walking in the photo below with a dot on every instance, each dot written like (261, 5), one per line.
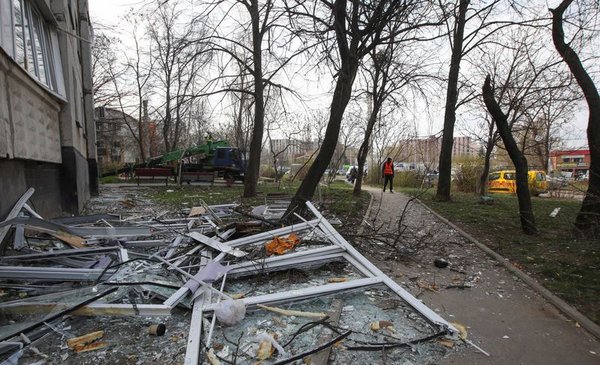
(388, 174)
(353, 174)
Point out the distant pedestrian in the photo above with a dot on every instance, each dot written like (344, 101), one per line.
(388, 174)
(353, 174)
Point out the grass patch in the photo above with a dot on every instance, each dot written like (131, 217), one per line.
(110, 180)
(565, 265)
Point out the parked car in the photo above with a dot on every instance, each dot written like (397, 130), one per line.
(557, 182)
(504, 182)
(348, 172)
(431, 178)
(583, 177)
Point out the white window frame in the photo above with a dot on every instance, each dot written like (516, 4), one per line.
(47, 39)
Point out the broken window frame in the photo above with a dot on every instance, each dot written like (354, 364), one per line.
(374, 276)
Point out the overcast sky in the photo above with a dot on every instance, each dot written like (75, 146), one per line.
(107, 17)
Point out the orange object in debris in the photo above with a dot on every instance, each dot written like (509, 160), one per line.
(280, 245)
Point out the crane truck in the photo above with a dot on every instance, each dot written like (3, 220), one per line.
(212, 157)
(195, 162)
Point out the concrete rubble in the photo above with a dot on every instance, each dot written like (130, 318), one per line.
(205, 284)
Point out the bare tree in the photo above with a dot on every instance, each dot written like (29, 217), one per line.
(104, 59)
(262, 57)
(547, 118)
(282, 137)
(481, 22)
(521, 81)
(351, 30)
(243, 119)
(348, 138)
(140, 71)
(113, 80)
(491, 138)
(389, 71)
(517, 157)
(588, 219)
(180, 53)
(535, 93)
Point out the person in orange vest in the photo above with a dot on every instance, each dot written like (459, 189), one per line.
(388, 174)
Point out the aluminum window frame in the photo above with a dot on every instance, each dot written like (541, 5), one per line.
(43, 38)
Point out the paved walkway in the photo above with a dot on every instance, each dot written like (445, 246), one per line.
(502, 314)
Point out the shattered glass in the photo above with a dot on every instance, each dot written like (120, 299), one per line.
(19, 315)
(360, 308)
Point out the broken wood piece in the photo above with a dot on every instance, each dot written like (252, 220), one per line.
(91, 347)
(85, 339)
(387, 325)
(265, 350)
(39, 225)
(335, 312)
(337, 280)
(196, 211)
(72, 240)
(462, 330)
(212, 358)
(287, 312)
(433, 287)
(446, 343)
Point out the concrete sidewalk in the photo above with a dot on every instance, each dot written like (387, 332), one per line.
(503, 315)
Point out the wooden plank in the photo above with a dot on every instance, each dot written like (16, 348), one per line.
(74, 342)
(322, 357)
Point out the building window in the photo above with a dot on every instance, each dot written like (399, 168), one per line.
(31, 46)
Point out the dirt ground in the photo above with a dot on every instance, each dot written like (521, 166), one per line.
(503, 316)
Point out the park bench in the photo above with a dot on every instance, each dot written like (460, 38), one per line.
(153, 173)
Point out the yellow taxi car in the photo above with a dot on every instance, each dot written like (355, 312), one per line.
(504, 182)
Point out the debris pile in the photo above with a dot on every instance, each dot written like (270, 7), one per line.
(201, 285)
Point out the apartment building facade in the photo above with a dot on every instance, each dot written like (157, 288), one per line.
(47, 131)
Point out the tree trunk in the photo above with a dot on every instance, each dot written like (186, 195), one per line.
(486, 167)
(341, 97)
(253, 169)
(588, 219)
(445, 161)
(517, 157)
(176, 132)
(240, 141)
(363, 151)
(167, 122)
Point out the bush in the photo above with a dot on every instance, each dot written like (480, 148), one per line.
(373, 178)
(111, 167)
(408, 179)
(267, 171)
(468, 175)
